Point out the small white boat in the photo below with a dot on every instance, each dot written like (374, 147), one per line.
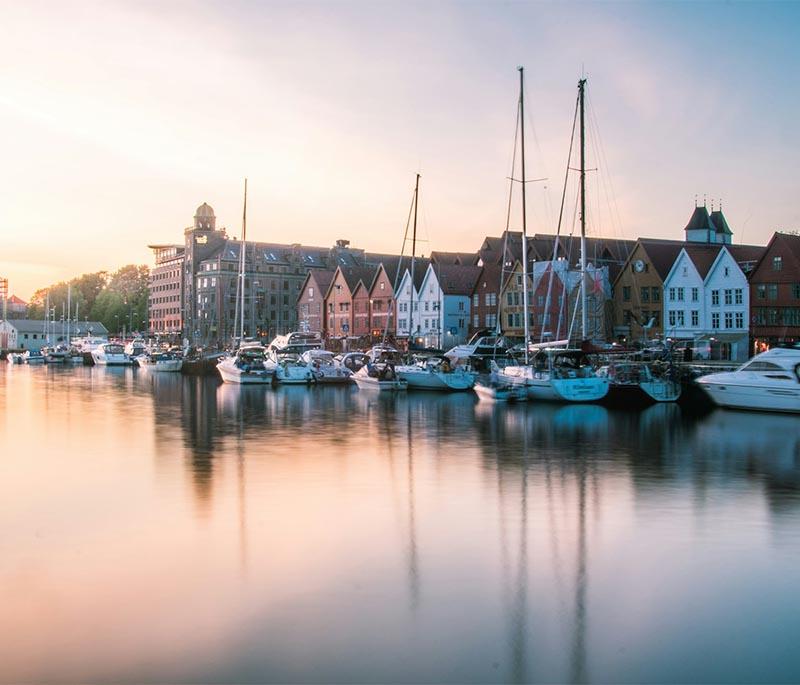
(58, 354)
(379, 370)
(436, 373)
(136, 348)
(326, 368)
(770, 381)
(31, 357)
(289, 369)
(246, 366)
(15, 358)
(558, 374)
(160, 362)
(110, 354)
(635, 383)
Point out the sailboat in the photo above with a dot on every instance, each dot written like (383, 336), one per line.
(556, 373)
(246, 365)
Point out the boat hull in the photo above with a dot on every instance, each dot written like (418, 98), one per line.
(436, 380)
(233, 374)
(725, 392)
(170, 366)
(370, 383)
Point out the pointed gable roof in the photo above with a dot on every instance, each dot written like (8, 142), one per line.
(661, 253)
(457, 279)
(353, 275)
(718, 219)
(465, 258)
(702, 256)
(700, 221)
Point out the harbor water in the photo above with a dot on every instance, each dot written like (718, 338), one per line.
(165, 528)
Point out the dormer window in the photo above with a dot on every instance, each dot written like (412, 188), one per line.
(777, 263)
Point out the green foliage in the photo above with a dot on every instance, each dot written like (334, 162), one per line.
(116, 300)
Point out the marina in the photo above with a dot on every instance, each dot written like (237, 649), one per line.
(443, 538)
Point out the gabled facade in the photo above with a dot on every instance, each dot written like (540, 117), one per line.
(361, 309)
(511, 303)
(486, 299)
(311, 314)
(775, 294)
(638, 289)
(382, 304)
(339, 305)
(408, 321)
(444, 304)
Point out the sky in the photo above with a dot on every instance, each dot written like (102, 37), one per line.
(119, 119)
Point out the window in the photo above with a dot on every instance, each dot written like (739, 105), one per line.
(739, 320)
(626, 293)
(645, 294)
(655, 294)
(671, 318)
(540, 300)
(460, 306)
(777, 263)
(681, 320)
(761, 292)
(382, 285)
(695, 317)
(715, 298)
(796, 291)
(672, 294)
(476, 300)
(715, 320)
(519, 280)
(772, 291)
(310, 292)
(685, 270)
(727, 271)
(427, 306)
(680, 294)
(511, 321)
(738, 296)
(402, 323)
(476, 320)
(695, 294)
(510, 298)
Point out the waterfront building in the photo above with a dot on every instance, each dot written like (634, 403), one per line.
(339, 304)
(444, 303)
(311, 314)
(707, 299)
(638, 289)
(33, 334)
(512, 296)
(165, 298)
(15, 308)
(408, 317)
(775, 293)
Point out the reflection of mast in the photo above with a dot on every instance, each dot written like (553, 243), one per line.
(413, 560)
(520, 616)
(242, 493)
(578, 664)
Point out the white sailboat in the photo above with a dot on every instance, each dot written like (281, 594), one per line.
(247, 365)
(556, 373)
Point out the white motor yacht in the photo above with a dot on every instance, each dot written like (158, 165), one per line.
(246, 366)
(770, 381)
(484, 344)
(160, 362)
(436, 373)
(110, 354)
(558, 374)
(326, 368)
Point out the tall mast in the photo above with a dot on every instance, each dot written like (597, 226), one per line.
(413, 261)
(242, 263)
(69, 308)
(47, 318)
(524, 215)
(584, 313)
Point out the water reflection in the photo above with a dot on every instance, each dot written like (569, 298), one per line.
(298, 534)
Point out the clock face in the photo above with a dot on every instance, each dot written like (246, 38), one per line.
(638, 266)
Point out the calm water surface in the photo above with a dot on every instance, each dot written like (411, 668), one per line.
(175, 529)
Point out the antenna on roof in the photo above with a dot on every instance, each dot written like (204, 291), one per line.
(695, 200)
(704, 199)
(712, 204)
(720, 204)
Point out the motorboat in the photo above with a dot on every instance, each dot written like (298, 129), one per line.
(482, 346)
(379, 370)
(289, 369)
(436, 373)
(246, 366)
(158, 362)
(326, 368)
(635, 383)
(58, 354)
(296, 342)
(558, 374)
(110, 354)
(136, 348)
(770, 381)
(15, 358)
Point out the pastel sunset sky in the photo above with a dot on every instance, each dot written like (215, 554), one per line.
(118, 119)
